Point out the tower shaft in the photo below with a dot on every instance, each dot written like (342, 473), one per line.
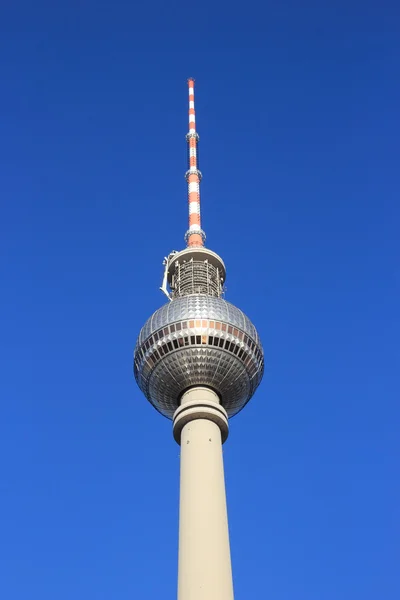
(204, 571)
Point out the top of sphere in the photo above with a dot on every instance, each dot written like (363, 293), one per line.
(195, 307)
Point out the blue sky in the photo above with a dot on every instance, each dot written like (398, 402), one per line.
(297, 109)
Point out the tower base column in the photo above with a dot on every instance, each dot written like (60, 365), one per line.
(201, 426)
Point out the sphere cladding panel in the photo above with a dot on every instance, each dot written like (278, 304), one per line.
(198, 340)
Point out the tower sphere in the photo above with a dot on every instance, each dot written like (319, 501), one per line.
(198, 339)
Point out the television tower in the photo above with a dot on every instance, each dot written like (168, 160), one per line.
(198, 360)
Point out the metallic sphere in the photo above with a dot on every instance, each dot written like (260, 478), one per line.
(198, 340)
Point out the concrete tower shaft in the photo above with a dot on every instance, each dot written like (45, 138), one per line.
(204, 565)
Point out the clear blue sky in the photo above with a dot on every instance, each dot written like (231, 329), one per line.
(297, 108)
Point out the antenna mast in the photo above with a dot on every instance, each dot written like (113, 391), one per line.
(195, 236)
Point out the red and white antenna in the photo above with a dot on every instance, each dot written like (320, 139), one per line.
(195, 236)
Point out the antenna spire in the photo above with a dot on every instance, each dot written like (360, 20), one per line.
(195, 236)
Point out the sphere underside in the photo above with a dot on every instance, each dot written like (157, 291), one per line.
(198, 340)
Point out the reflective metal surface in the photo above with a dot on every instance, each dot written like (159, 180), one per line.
(198, 340)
